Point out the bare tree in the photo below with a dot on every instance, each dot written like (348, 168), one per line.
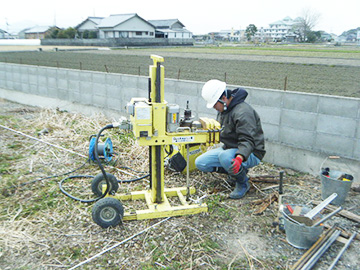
(305, 23)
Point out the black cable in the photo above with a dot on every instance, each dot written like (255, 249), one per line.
(133, 180)
(99, 162)
(73, 197)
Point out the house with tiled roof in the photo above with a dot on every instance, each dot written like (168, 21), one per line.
(39, 32)
(125, 26)
(171, 28)
(89, 25)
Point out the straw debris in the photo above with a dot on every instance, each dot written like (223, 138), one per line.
(41, 228)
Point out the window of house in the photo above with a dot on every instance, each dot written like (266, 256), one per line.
(138, 33)
(151, 33)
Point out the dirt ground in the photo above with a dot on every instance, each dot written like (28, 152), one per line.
(41, 228)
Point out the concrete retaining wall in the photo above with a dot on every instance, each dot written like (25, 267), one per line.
(301, 129)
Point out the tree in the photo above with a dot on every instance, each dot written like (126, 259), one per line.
(250, 31)
(313, 36)
(305, 23)
(52, 33)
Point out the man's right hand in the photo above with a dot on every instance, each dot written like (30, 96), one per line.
(235, 165)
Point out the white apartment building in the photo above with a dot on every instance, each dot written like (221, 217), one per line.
(277, 31)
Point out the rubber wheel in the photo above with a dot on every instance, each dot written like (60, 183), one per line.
(107, 212)
(99, 180)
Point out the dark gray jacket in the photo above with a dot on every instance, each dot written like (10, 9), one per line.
(242, 127)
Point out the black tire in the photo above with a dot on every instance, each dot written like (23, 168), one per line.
(99, 180)
(107, 212)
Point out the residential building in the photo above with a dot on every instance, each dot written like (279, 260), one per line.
(171, 28)
(4, 34)
(89, 25)
(39, 32)
(277, 31)
(125, 26)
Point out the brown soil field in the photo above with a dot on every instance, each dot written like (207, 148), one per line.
(323, 70)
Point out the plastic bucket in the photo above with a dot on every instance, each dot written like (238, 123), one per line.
(300, 235)
(330, 184)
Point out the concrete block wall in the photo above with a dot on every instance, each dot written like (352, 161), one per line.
(301, 129)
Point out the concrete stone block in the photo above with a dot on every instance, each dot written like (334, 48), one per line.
(110, 79)
(16, 76)
(33, 70)
(99, 101)
(87, 98)
(85, 76)
(62, 83)
(51, 73)
(25, 87)
(33, 79)
(99, 77)
(130, 82)
(170, 86)
(143, 84)
(24, 77)
(336, 125)
(52, 82)
(356, 153)
(73, 75)
(33, 89)
(303, 139)
(188, 88)
(52, 92)
(113, 91)
(10, 85)
(99, 89)
(115, 104)
(271, 132)
(74, 96)
(62, 74)
(129, 93)
(345, 107)
(14, 68)
(268, 115)
(269, 98)
(170, 98)
(42, 71)
(63, 94)
(86, 87)
(43, 90)
(74, 86)
(42, 80)
(2, 79)
(142, 93)
(334, 145)
(300, 102)
(17, 85)
(299, 120)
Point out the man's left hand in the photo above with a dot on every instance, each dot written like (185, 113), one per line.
(236, 164)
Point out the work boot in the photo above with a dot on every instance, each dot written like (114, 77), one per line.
(241, 185)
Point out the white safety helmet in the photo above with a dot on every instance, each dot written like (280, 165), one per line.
(212, 91)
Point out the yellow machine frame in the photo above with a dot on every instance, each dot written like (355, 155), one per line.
(149, 127)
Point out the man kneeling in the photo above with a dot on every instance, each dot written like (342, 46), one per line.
(242, 137)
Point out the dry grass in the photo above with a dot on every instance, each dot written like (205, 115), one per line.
(41, 228)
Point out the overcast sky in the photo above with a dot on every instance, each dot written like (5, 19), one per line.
(198, 16)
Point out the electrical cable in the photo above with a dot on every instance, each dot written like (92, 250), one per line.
(48, 177)
(73, 197)
(76, 176)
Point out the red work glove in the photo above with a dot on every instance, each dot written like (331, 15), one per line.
(236, 164)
